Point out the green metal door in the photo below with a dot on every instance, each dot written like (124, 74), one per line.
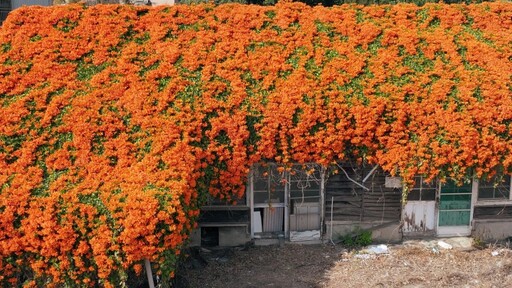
(454, 205)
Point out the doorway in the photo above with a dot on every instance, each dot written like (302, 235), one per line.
(455, 209)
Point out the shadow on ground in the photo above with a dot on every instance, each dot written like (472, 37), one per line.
(290, 265)
(417, 263)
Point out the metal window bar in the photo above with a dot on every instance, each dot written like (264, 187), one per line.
(5, 4)
(500, 190)
(5, 8)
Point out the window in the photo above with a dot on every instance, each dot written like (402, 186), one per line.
(5, 8)
(268, 184)
(422, 191)
(497, 188)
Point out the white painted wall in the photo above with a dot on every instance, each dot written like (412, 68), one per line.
(162, 2)
(419, 216)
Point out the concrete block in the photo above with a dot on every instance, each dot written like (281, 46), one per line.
(266, 242)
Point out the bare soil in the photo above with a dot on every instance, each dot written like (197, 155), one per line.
(301, 266)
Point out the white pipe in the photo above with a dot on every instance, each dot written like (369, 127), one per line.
(287, 206)
(323, 172)
(149, 273)
(353, 181)
(332, 212)
(370, 174)
(251, 199)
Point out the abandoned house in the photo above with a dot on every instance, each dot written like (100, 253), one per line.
(309, 204)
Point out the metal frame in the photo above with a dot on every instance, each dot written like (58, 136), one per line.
(492, 202)
(287, 201)
(462, 230)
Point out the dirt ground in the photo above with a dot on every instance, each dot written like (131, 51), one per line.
(299, 266)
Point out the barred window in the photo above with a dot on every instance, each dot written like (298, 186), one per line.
(497, 188)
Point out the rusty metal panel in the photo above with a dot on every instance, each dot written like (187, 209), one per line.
(419, 216)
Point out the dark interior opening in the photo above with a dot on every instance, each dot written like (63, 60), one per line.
(209, 236)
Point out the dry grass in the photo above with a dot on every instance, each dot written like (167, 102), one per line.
(326, 266)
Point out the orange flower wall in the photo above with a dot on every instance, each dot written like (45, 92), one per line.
(116, 121)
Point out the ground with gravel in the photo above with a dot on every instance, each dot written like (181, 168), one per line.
(410, 264)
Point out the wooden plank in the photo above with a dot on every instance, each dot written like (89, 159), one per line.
(382, 210)
(345, 218)
(343, 198)
(353, 203)
(346, 211)
(379, 212)
(345, 208)
(344, 205)
(381, 204)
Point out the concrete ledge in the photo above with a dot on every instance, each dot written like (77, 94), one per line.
(492, 229)
(266, 241)
(385, 232)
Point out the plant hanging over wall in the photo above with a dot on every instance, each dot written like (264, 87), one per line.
(116, 120)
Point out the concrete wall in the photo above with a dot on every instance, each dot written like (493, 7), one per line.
(388, 232)
(492, 229)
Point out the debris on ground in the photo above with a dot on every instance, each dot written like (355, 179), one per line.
(375, 249)
(409, 264)
(444, 245)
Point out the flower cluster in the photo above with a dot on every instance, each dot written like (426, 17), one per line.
(116, 121)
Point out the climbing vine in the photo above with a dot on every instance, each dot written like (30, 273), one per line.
(116, 120)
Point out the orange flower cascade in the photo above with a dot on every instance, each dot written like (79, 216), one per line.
(116, 120)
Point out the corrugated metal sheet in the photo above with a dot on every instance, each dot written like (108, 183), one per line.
(273, 219)
(306, 216)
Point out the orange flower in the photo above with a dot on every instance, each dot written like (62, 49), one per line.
(115, 120)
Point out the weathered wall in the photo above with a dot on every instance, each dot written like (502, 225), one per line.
(351, 202)
(388, 232)
(492, 229)
(492, 222)
(419, 218)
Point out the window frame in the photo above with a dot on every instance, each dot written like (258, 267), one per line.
(492, 201)
(434, 186)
